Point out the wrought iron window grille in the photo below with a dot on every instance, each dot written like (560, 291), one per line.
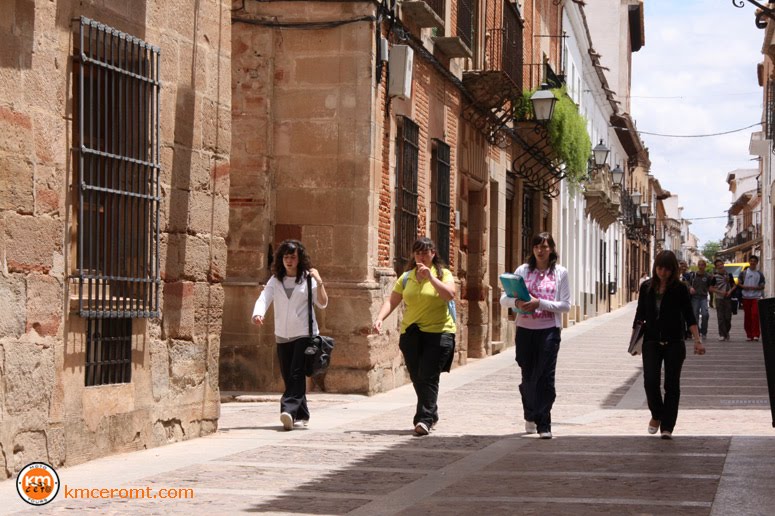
(118, 166)
(527, 221)
(465, 21)
(441, 205)
(108, 351)
(407, 165)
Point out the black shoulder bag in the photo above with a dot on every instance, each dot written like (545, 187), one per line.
(317, 356)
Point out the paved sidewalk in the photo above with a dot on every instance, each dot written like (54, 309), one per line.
(359, 455)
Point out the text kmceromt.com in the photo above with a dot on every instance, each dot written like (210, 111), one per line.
(130, 493)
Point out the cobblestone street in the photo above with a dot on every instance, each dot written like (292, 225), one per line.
(359, 456)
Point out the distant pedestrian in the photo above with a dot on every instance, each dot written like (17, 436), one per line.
(722, 284)
(643, 278)
(683, 270)
(751, 281)
(684, 276)
(699, 282)
(661, 303)
(287, 288)
(538, 332)
(427, 328)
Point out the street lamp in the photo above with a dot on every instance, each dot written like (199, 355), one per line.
(617, 175)
(750, 230)
(543, 101)
(636, 197)
(600, 153)
(644, 211)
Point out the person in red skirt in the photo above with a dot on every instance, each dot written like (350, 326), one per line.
(751, 281)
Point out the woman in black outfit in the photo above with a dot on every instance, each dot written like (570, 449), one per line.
(661, 303)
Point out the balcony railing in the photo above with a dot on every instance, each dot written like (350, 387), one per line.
(504, 46)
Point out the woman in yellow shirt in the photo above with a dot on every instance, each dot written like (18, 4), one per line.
(427, 329)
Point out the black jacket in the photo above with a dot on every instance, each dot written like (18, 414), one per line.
(676, 308)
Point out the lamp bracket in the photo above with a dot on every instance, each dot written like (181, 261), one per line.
(761, 23)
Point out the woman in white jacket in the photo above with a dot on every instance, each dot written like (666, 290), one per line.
(288, 289)
(538, 331)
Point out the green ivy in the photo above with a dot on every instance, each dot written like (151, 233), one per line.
(567, 133)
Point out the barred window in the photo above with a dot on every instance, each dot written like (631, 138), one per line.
(108, 351)
(440, 203)
(466, 18)
(407, 157)
(117, 139)
(512, 208)
(116, 136)
(527, 221)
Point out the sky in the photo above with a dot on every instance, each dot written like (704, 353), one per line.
(696, 75)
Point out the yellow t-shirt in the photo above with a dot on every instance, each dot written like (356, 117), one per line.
(424, 306)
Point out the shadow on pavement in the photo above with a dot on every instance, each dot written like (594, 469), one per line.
(394, 473)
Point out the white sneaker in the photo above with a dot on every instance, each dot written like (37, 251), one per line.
(287, 421)
(530, 427)
(421, 428)
(545, 435)
(304, 423)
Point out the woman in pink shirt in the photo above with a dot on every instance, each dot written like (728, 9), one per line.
(538, 331)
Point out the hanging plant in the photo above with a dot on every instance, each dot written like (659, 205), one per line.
(567, 134)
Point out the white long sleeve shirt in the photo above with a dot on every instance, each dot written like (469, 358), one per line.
(290, 314)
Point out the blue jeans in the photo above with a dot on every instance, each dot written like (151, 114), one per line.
(426, 356)
(672, 354)
(537, 357)
(700, 308)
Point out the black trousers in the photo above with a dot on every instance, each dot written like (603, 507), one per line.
(426, 356)
(536, 352)
(294, 399)
(672, 355)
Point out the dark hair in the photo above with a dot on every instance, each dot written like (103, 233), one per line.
(753, 257)
(289, 247)
(539, 239)
(666, 260)
(426, 244)
(718, 260)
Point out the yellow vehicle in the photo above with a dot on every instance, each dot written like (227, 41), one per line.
(736, 268)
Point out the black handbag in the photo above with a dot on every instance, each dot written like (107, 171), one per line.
(636, 340)
(317, 355)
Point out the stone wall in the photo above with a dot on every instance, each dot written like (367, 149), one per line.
(46, 413)
(301, 168)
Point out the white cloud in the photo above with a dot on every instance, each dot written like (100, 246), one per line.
(705, 53)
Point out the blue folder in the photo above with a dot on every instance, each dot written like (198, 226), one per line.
(514, 286)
